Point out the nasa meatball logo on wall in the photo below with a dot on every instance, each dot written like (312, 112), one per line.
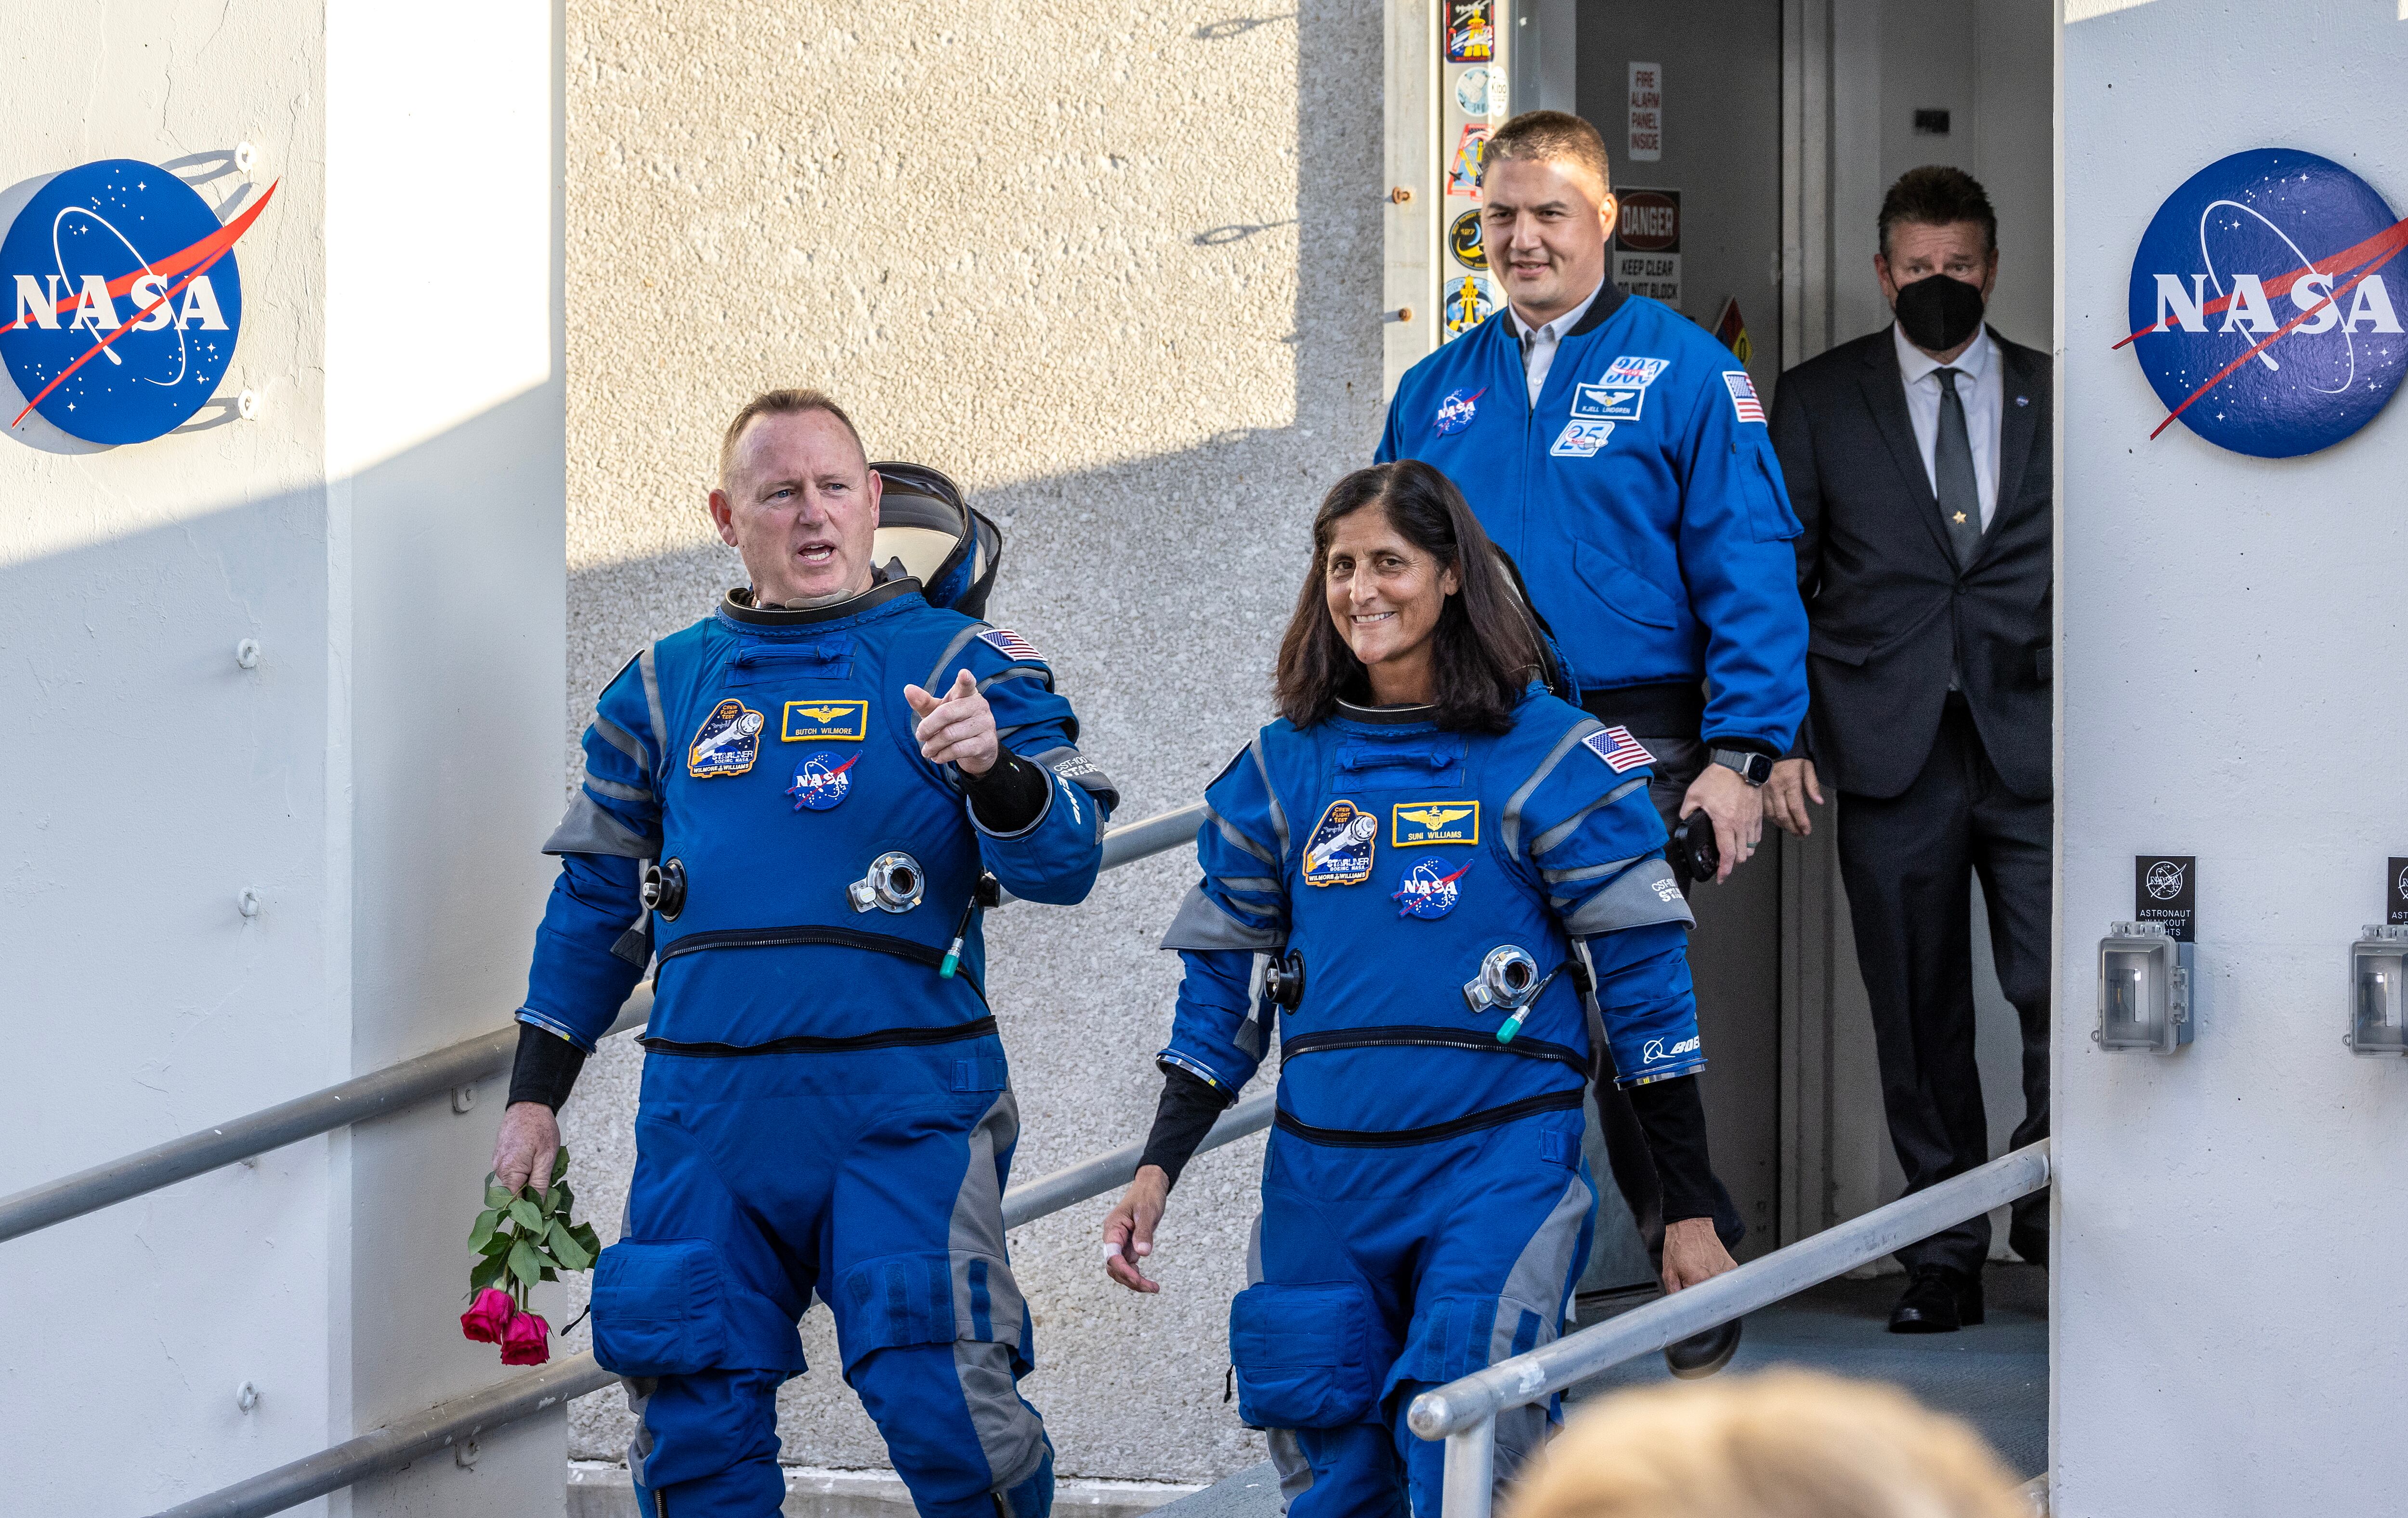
(2266, 300)
(127, 302)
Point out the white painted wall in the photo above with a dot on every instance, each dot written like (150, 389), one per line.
(2230, 1218)
(389, 530)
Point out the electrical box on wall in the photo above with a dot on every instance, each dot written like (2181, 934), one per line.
(2145, 979)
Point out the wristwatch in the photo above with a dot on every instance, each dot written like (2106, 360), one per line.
(1754, 767)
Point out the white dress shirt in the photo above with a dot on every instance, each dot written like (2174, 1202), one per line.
(1539, 345)
(1979, 386)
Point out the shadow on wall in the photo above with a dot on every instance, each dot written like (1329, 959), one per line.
(1157, 589)
(151, 779)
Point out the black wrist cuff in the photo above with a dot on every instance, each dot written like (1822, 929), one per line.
(1189, 1108)
(1009, 796)
(1673, 1114)
(545, 1067)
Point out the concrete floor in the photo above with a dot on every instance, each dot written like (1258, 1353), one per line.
(1994, 1377)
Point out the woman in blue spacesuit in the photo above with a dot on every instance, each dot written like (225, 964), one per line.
(1442, 862)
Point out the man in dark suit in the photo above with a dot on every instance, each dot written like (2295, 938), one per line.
(1918, 460)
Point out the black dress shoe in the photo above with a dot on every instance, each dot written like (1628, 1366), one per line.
(2031, 1244)
(1703, 1354)
(1937, 1300)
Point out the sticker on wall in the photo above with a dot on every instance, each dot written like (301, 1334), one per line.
(1462, 241)
(1463, 168)
(1481, 92)
(2395, 879)
(1470, 31)
(2265, 302)
(2165, 889)
(125, 301)
(1647, 244)
(1646, 113)
(1468, 301)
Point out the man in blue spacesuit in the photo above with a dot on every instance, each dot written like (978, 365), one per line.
(797, 804)
(1620, 454)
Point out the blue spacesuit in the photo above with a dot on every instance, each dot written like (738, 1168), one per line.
(1434, 904)
(825, 1105)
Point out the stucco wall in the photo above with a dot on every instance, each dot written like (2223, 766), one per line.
(1117, 270)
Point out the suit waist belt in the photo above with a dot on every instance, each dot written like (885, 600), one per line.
(884, 1039)
(1675, 709)
(841, 937)
(1490, 1117)
(1294, 1046)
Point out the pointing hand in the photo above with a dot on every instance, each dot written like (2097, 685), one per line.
(958, 730)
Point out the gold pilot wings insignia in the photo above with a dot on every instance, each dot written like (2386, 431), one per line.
(820, 722)
(1411, 824)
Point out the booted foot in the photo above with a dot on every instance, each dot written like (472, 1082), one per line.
(1702, 1354)
(1937, 1300)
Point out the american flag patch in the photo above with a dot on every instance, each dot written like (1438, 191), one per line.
(1010, 644)
(1743, 392)
(1617, 747)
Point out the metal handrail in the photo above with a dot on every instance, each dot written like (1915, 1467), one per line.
(392, 1088)
(1464, 1412)
(456, 1422)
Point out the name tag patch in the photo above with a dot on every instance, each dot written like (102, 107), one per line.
(1340, 850)
(726, 743)
(1580, 438)
(1636, 373)
(820, 722)
(1411, 824)
(1609, 403)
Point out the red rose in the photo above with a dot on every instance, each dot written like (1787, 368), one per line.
(488, 1317)
(525, 1340)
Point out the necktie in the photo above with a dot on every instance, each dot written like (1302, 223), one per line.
(1952, 474)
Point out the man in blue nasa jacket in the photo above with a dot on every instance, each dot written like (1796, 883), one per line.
(825, 1105)
(1620, 455)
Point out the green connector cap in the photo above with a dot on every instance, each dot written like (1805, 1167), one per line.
(953, 962)
(1512, 1026)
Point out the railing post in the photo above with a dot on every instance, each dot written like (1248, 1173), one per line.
(1470, 1471)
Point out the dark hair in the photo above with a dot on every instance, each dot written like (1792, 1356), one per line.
(1484, 653)
(1937, 194)
(1550, 135)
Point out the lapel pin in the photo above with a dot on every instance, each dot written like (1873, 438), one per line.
(2023, 400)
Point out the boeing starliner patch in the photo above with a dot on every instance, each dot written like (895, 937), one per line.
(726, 743)
(1011, 645)
(1427, 889)
(821, 783)
(1617, 747)
(1340, 850)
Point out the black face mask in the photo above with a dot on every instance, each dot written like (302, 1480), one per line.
(1940, 312)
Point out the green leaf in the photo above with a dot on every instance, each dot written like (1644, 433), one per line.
(583, 1233)
(549, 1274)
(559, 1200)
(560, 1162)
(497, 1195)
(500, 1242)
(487, 1272)
(527, 1216)
(525, 1263)
(483, 1230)
(571, 1254)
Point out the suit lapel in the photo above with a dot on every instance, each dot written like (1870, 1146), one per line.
(2019, 426)
(1885, 397)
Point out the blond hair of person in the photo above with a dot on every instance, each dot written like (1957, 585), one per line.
(1784, 1444)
